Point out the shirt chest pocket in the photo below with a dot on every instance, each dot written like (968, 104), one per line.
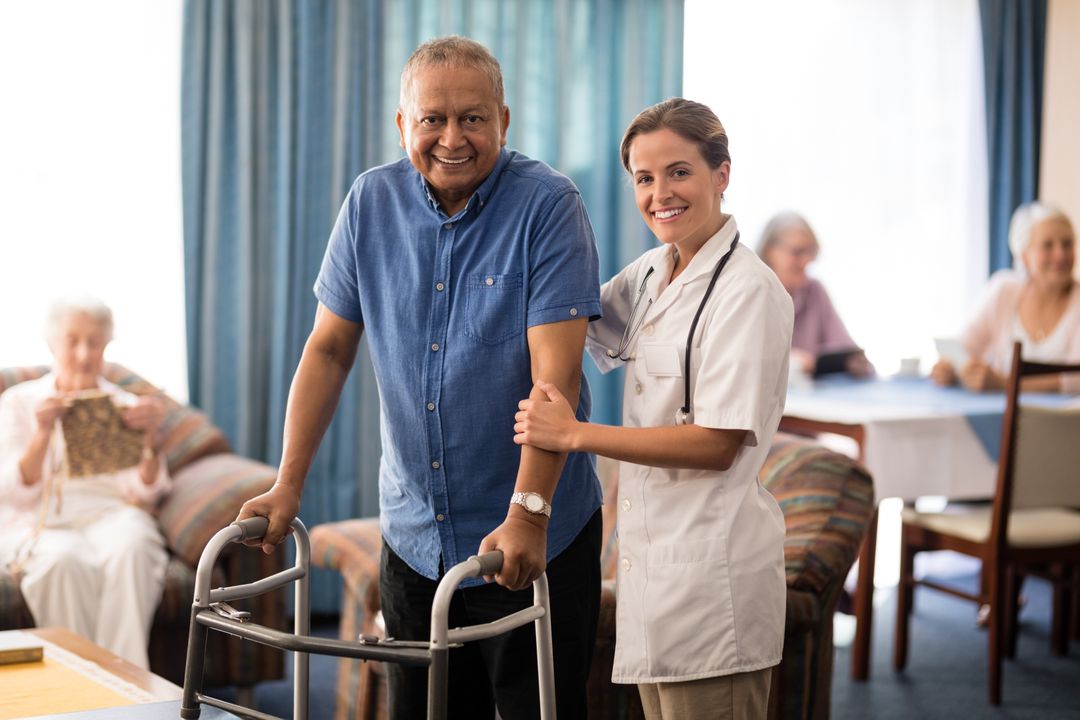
(494, 308)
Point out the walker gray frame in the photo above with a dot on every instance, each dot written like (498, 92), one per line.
(208, 613)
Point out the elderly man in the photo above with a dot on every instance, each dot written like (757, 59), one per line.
(474, 271)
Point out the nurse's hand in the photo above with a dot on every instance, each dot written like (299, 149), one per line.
(523, 541)
(548, 425)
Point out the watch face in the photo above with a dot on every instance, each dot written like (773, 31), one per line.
(534, 503)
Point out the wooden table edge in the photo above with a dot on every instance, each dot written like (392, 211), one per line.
(157, 686)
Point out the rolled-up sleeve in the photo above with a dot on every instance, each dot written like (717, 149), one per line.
(17, 425)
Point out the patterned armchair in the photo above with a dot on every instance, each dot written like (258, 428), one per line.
(210, 485)
(827, 499)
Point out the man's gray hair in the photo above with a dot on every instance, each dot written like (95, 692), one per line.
(64, 307)
(451, 51)
(1024, 220)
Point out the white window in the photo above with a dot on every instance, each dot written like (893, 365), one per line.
(868, 119)
(90, 176)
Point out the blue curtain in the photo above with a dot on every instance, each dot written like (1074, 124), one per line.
(284, 102)
(1014, 45)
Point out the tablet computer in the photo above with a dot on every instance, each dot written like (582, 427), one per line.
(833, 362)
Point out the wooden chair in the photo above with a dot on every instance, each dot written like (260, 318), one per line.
(1032, 525)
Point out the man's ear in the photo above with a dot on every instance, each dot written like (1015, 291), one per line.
(505, 120)
(400, 120)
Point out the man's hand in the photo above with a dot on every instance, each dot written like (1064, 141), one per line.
(548, 425)
(523, 541)
(49, 410)
(858, 366)
(279, 505)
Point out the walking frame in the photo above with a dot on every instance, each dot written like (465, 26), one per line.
(211, 610)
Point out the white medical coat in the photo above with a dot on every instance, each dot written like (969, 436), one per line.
(701, 588)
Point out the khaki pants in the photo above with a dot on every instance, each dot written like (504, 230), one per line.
(742, 696)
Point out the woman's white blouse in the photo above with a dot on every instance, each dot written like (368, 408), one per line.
(701, 589)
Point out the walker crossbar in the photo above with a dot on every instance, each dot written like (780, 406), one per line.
(434, 654)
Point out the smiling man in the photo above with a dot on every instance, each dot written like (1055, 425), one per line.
(473, 270)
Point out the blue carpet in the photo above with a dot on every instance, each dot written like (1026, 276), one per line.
(946, 674)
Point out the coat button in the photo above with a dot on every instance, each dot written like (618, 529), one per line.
(626, 564)
(626, 504)
(637, 388)
(647, 330)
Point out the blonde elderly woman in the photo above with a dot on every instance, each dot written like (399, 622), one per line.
(820, 343)
(1037, 304)
(86, 549)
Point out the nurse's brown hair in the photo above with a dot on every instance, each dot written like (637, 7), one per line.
(690, 120)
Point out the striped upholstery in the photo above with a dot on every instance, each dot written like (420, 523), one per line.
(827, 499)
(353, 547)
(210, 485)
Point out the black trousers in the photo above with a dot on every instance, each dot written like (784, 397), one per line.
(500, 671)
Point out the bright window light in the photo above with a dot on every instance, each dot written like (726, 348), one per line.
(867, 118)
(90, 176)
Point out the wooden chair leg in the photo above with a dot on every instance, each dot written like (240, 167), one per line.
(1059, 624)
(1074, 606)
(997, 623)
(905, 592)
(1014, 580)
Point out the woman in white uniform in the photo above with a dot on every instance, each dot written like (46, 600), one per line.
(86, 549)
(700, 617)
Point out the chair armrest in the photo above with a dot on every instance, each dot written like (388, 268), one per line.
(827, 499)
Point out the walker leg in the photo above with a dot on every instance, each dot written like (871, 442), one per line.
(193, 667)
(438, 677)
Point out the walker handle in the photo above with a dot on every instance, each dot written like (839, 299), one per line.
(490, 562)
(251, 528)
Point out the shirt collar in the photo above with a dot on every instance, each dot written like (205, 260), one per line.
(704, 262)
(480, 196)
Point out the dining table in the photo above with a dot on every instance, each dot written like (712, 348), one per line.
(916, 439)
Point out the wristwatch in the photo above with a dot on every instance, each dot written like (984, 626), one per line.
(534, 503)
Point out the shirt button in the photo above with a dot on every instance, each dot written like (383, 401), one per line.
(431, 406)
(637, 388)
(626, 564)
(647, 330)
(626, 504)
(434, 347)
(448, 225)
(435, 464)
(440, 287)
(440, 517)
(489, 281)
(573, 312)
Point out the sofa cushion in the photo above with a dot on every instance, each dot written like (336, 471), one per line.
(827, 499)
(206, 496)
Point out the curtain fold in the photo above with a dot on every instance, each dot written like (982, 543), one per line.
(284, 102)
(1014, 49)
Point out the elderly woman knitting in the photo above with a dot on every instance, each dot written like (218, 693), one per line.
(1037, 304)
(82, 541)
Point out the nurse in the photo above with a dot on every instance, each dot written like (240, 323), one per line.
(704, 329)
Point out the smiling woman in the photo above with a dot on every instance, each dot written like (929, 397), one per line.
(90, 176)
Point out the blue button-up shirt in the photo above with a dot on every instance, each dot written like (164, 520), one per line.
(445, 302)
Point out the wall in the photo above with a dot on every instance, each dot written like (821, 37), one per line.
(1059, 180)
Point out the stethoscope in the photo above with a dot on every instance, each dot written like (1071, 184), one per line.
(684, 414)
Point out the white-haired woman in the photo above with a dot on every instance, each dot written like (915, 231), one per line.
(88, 553)
(1037, 304)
